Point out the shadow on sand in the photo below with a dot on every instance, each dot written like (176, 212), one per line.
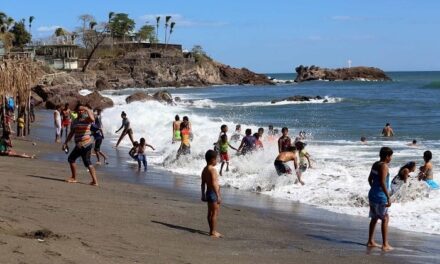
(187, 229)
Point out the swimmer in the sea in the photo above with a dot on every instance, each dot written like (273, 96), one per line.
(176, 129)
(363, 140)
(211, 192)
(387, 131)
(413, 143)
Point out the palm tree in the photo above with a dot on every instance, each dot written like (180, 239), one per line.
(157, 27)
(92, 25)
(172, 25)
(31, 19)
(167, 21)
(110, 16)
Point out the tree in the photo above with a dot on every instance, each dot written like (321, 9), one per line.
(5, 22)
(167, 21)
(120, 25)
(172, 25)
(157, 27)
(21, 36)
(92, 39)
(31, 19)
(146, 32)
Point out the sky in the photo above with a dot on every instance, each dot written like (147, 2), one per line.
(272, 36)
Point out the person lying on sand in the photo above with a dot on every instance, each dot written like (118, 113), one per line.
(211, 192)
(6, 147)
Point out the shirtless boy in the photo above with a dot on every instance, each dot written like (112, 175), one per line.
(281, 163)
(176, 129)
(387, 131)
(211, 192)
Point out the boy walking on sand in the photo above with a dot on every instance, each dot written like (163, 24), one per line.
(212, 195)
(379, 197)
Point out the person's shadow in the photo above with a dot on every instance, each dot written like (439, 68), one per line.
(187, 229)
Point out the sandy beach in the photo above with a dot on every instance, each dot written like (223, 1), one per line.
(46, 220)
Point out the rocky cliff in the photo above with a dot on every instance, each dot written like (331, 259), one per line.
(314, 73)
(137, 69)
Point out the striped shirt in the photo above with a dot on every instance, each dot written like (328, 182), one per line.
(83, 134)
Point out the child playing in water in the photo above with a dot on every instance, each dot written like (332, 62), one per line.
(426, 173)
(133, 150)
(258, 143)
(212, 195)
(141, 157)
(284, 142)
(379, 197)
(402, 177)
(237, 134)
(281, 166)
(223, 149)
(304, 157)
(185, 146)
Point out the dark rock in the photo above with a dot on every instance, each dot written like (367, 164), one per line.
(102, 84)
(139, 97)
(298, 98)
(343, 74)
(163, 96)
(94, 100)
(177, 99)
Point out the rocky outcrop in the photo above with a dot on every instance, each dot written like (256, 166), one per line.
(160, 96)
(94, 100)
(314, 73)
(298, 98)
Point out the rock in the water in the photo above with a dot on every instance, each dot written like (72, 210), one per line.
(94, 100)
(102, 84)
(139, 97)
(314, 73)
(163, 96)
(297, 98)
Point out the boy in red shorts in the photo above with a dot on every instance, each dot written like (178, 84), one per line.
(224, 156)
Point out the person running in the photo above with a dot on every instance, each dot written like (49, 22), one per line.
(223, 149)
(176, 129)
(379, 197)
(281, 161)
(141, 157)
(284, 142)
(98, 135)
(402, 177)
(258, 142)
(211, 192)
(185, 146)
(65, 119)
(387, 131)
(304, 157)
(247, 143)
(57, 123)
(80, 130)
(127, 129)
(237, 134)
(6, 147)
(133, 151)
(426, 172)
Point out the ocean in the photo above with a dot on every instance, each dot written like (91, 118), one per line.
(334, 125)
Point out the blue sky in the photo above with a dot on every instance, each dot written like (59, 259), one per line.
(274, 36)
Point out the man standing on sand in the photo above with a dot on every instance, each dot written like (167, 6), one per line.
(387, 131)
(379, 197)
(212, 195)
(83, 143)
(57, 123)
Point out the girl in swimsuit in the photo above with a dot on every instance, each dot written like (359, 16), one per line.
(127, 129)
(426, 172)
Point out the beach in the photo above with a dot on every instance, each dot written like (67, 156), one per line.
(122, 222)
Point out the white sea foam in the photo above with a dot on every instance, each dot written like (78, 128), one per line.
(338, 181)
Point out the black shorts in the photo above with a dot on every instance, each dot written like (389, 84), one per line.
(98, 143)
(83, 152)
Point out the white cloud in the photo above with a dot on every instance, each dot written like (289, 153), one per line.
(47, 28)
(181, 20)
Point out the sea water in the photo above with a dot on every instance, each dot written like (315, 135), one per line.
(334, 125)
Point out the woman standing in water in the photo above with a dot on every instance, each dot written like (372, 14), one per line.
(426, 173)
(127, 129)
(402, 177)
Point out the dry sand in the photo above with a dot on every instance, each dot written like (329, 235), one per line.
(126, 223)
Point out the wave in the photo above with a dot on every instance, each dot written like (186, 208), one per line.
(208, 103)
(432, 85)
(336, 183)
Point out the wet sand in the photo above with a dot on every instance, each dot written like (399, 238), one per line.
(122, 222)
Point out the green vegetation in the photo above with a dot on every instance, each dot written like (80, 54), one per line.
(200, 55)
(21, 35)
(121, 25)
(147, 32)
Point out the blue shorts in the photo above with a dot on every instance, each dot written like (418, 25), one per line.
(378, 211)
(211, 196)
